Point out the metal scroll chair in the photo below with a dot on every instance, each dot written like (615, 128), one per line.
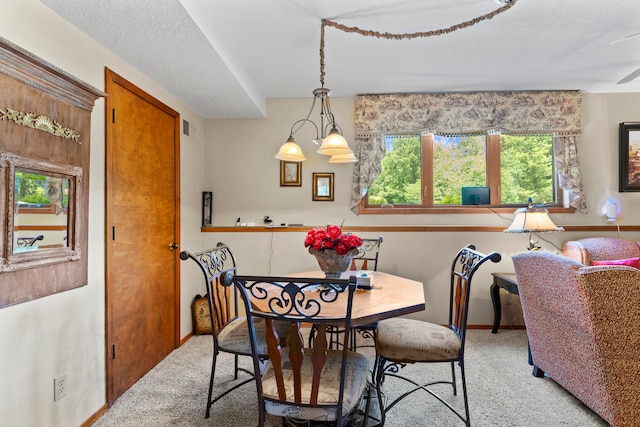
(400, 341)
(303, 383)
(230, 331)
(367, 259)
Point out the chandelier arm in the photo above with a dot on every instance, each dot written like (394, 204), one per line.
(313, 104)
(327, 111)
(300, 127)
(418, 34)
(306, 119)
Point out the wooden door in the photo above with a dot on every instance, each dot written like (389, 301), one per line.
(142, 231)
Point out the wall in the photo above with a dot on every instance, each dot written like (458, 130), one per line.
(249, 187)
(64, 333)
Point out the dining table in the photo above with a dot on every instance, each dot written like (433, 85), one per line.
(390, 296)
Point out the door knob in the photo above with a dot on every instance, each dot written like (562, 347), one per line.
(173, 246)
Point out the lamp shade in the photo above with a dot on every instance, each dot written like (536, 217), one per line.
(343, 158)
(334, 143)
(290, 151)
(532, 219)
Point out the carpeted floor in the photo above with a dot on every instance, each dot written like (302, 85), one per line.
(502, 391)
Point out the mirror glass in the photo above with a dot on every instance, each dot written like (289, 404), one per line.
(40, 211)
(42, 216)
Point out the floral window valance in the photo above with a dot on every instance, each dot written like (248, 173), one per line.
(540, 112)
(555, 112)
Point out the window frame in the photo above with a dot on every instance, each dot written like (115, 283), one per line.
(427, 206)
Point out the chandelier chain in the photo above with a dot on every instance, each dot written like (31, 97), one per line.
(392, 36)
(322, 52)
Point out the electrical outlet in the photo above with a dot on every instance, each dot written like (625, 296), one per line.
(59, 387)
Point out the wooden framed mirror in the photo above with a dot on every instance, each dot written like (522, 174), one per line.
(45, 122)
(41, 203)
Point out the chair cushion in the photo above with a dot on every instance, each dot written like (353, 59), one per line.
(408, 340)
(355, 383)
(234, 337)
(631, 262)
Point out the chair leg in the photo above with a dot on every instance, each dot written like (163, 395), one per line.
(262, 417)
(464, 395)
(537, 372)
(213, 373)
(235, 367)
(380, 374)
(210, 399)
(378, 377)
(334, 337)
(353, 346)
(453, 379)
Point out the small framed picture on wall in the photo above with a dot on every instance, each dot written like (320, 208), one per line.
(629, 153)
(290, 174)
(323, 186)
(207, 204)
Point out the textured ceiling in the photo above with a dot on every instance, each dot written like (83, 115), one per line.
(225, 58)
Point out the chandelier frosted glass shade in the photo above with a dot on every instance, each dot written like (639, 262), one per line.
(290, 152)
(333, 144)
(343, 158)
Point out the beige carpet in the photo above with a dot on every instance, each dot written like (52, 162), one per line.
(502, 392)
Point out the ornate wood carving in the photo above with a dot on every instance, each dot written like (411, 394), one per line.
(41, 122)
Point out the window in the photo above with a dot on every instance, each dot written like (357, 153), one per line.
(430, 171)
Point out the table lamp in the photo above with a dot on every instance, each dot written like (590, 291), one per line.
(532, 219)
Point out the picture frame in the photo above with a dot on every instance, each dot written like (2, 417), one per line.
(207, 205)
(290, 174)
(629, 154)
(322, 187)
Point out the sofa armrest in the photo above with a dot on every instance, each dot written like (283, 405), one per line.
(591, 249)
(575, 250)
(612, 295)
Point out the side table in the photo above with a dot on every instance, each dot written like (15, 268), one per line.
(506, 281)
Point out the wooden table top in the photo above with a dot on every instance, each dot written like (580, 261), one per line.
(391, 296)
(511, 277)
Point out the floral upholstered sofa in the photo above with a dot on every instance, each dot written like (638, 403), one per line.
(583, 323)
(600, 250)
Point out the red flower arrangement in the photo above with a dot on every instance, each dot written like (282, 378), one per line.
(332, 237)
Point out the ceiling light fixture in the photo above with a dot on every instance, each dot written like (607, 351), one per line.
(331, 144)
(334, 144)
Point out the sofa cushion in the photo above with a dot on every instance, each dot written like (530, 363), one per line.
(631, 262)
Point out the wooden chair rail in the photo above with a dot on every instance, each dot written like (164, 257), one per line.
(410, 228)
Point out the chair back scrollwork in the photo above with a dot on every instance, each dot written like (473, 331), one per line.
(213, 262)
(367, 257)
(464, 266)
(297, 378)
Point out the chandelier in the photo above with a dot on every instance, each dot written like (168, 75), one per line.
(333, 143)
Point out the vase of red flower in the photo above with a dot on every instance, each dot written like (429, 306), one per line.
(332, 248)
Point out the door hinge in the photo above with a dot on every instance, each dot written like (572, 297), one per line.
(113, 233)
(113, 352)
(113, 115)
